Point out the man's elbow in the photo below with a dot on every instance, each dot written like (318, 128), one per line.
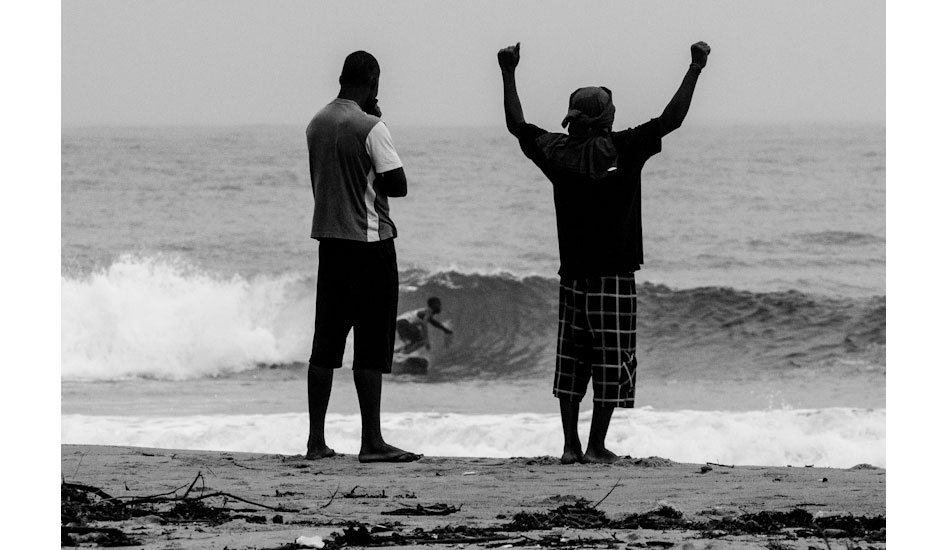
(670, 122)
(395, 190)
(513, 124)
(393, 183)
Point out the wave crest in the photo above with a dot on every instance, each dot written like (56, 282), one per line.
(150, 318)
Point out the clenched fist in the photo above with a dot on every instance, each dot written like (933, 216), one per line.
(508, 57)
(700, 51)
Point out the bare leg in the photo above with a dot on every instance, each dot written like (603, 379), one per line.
(572, 442)
(373, 448)
(319, 384)
(600, 421)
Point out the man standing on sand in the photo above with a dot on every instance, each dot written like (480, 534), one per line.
(595, 174)
(353, 169)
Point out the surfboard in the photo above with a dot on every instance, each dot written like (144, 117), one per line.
(410, 364)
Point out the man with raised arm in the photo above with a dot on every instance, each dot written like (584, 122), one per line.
(353, 169)
(595, 173)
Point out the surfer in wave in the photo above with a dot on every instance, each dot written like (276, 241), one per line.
(595, 173)
(413, 326)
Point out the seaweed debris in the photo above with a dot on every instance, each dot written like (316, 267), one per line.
(581, 515)
(804, 524)
(101, 536)
(420, 510)
(82, 505)
(545, 529)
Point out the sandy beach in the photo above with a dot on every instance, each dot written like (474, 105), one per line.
(165, 498)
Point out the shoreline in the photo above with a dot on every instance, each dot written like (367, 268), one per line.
(267, 501)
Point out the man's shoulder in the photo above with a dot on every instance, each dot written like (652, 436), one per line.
(342, 116)
(649, 129)
(527, 130)
(528, 136)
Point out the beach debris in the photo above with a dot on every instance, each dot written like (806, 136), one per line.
(358, 534)
(608, 494)
(254, 519)
(354, 494)
(649, 462)
(705, 469)
(555, 540)
(664, 516)
(189, 510)
(804, 524)
(721, 465)
(74, 487)
(333, 496)
(355, 535)
(82, 505)
(546, 460)
(561, 498)
(101, 536)
(315, 541)
(547, 529)
(420, 510)
(579, 515)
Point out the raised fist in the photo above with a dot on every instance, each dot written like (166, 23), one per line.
(508, 57)
(700, 51)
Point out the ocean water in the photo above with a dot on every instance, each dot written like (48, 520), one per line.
(188, 284)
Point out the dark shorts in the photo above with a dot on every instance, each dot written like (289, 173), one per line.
(597, 339)
(358, 288)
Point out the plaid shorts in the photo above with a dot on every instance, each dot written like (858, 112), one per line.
(597, 339)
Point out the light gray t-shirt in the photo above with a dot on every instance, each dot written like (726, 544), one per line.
(348, 148)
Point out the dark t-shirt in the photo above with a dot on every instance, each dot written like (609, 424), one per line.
(598, 222)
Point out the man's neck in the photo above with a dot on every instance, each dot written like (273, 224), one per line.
(357, 95)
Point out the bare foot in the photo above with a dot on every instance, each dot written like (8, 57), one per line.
(315, 452)
(572, 455)
(599, 456)
(387, 453)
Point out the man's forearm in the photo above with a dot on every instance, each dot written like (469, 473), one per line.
(392, 183)
(675, 112)
(513, 113)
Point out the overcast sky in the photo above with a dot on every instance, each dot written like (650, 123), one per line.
(240, 62)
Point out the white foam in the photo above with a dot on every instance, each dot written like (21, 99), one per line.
(157, 318)
(834, 437)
